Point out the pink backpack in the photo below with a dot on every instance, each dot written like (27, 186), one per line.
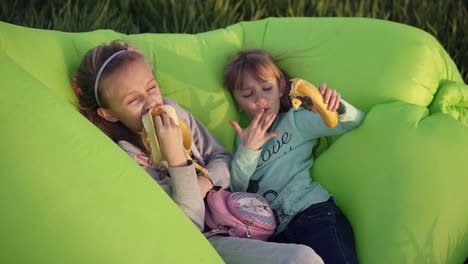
(239, 214)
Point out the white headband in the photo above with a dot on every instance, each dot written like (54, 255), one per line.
(102, 69)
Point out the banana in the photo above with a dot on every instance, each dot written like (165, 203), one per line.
(306, 94)
(150, 138)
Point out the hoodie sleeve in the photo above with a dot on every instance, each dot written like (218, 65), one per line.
(243, 167)
(215, 157)
(185, 193)
(311, 125)
(182, 186)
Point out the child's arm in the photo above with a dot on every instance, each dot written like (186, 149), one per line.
(180, 186)
(250, 141)
(215, 157)
(188, 198)
(311, 124)
(242, 167)
(182, 171)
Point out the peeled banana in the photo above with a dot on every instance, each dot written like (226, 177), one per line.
(306, 94)
(150, 138)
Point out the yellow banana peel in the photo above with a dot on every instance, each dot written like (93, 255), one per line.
(150, 138)
(306, 94)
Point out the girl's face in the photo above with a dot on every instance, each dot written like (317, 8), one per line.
(256, 94)
(129, 93)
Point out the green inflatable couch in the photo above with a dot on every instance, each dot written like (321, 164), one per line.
(68, 194)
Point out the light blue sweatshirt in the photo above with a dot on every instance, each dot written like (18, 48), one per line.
(280, 170)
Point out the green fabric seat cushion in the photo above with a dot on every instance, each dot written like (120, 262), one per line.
(70, 195)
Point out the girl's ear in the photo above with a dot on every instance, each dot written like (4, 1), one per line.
(107, 115)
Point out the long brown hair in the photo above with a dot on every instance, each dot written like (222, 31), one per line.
(261, 65)
(85, 80)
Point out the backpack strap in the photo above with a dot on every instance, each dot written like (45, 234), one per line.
(216, 231)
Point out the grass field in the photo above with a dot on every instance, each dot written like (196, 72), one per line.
(445, 19)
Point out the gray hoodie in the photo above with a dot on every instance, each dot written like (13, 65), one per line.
(180, 183)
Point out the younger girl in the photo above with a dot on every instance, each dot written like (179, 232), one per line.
(275, 154)
(116, 86)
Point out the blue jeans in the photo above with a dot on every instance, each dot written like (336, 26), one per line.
(325, 229)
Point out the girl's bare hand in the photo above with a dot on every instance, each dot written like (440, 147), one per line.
(170, 140)
(256, 134)
(330, 97)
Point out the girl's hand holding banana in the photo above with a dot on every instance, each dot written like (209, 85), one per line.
(168, 138)
(325, 101)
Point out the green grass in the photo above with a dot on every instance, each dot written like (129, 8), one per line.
(445, 19)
